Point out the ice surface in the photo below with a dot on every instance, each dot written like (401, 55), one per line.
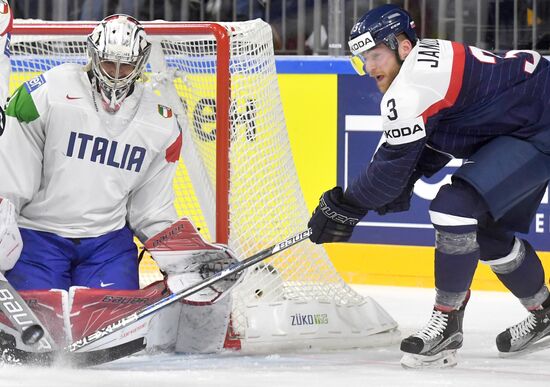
(479, 365)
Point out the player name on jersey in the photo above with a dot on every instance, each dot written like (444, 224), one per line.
(428, 51)
(104, 151)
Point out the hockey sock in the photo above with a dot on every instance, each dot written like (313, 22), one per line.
(456, 258)
(522, 273)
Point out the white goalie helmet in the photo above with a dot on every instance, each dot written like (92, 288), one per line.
(118, 50)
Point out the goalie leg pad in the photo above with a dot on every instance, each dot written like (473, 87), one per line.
(93, 309)
(202, 329)
(50, 307)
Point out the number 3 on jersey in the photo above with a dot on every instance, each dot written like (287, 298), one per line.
(393, 112)
(488, 57)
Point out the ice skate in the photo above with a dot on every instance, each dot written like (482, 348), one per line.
(531, 334)
(435, 345)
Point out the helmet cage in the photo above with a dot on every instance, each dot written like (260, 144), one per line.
(119, 39)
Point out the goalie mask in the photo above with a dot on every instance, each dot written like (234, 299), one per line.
(118, 50)
(379, 25)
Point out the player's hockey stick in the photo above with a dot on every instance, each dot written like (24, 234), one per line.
(169, 300)
(23, 318)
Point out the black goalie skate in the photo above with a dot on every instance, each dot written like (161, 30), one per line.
(435, 345)
(526, 336)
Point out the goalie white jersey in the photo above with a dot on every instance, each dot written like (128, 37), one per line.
(77, 171)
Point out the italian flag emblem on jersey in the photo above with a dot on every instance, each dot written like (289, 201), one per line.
(165, 111)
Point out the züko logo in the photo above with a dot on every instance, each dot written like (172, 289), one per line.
(308, 319)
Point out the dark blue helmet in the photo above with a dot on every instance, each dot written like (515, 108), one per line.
(381, 25)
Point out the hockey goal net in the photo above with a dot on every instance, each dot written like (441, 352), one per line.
(236, 179)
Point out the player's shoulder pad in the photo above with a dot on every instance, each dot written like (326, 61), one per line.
(6, 18)
(422, 82)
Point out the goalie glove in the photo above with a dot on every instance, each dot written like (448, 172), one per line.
(333, 220)
(11, 243)
(186, 259)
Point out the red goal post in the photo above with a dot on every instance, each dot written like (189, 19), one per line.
(236, 178)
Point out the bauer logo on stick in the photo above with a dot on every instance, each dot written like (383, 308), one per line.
(293, 240)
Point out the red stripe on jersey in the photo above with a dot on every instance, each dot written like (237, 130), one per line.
(173, 151)
(457, 74)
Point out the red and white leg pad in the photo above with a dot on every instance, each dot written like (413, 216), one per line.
(93, 309)
(50, 308)
(202, 329)
(70, 316)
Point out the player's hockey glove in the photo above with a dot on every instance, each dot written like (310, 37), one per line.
(334, 219)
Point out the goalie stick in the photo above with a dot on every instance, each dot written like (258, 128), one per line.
(23, 318)
(174, 297)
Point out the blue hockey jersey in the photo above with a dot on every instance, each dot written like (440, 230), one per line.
(448, 100)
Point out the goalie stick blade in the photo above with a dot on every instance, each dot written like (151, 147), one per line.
(93, 358)
(73, 359)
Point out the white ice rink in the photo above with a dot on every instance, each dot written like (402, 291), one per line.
(487, 314)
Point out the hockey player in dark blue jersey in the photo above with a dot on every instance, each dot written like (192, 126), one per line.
(443, 99)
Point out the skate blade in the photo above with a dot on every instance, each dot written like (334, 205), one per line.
(540, 345)
(444, 359)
